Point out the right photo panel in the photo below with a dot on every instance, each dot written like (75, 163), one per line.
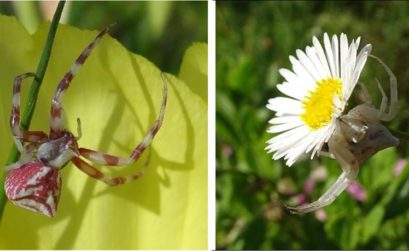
(312, 125)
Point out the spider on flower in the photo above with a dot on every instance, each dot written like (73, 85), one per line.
(34, 182)
(312, 118)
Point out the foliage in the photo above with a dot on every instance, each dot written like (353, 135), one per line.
(158, 31)
(254, 40)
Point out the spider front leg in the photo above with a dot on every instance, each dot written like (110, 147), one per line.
(110, 160)
(393, 108)
(18, 135)
(34, 137)
(338, 146)
(111, 181)
(369, 112)
(56, 122)
(15, 110)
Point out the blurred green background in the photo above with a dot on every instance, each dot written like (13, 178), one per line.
(254, 40)
(145, 28)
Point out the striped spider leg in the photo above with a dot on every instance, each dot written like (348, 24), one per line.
(34, 182)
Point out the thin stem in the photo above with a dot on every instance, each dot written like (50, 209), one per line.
(33, 94)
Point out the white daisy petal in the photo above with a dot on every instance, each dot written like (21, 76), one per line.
(295, 152)
(352, 55)
(318, 87)
(292, 78)
(284, 127)
(301, 71)
(283, 120)
(308, 65)
(357, 72)
(288, 75)
(289, 90)
(318, 136)
(344, 54)
(287, 149)
(366, 50)
(285, 105)
(335, 49)
(361, 58)
(322, 139)
(321, 55)
(330, 56)
(312, 54)
(326, 136)
(287, 138)
(359, 63)
(358, 40)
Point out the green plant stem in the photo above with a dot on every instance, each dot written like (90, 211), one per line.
(33, 94)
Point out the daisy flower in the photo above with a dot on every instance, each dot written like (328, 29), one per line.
(318, 88)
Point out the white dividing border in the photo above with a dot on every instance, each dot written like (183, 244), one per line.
(211, 115)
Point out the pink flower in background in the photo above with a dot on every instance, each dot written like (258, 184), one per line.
(400, 165)
(302, 199)
(227, 151)
(357, 191)
(321, 215)
(309, 186)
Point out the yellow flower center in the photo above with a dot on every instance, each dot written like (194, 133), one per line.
(318, 104)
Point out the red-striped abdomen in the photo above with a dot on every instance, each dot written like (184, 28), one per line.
(35, 187)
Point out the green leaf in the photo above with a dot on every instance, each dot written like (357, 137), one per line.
(117, 96)
(396, 198)
(372, 223)
(343, 225)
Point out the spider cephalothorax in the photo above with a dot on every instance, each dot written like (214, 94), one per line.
(34, 181)
(58, 152)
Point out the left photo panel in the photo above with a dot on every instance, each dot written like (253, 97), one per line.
(104, 126)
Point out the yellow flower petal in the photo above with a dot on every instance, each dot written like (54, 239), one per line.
(117, 96)
(194, 69)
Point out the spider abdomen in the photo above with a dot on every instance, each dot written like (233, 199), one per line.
(376, 139)
(35, 187)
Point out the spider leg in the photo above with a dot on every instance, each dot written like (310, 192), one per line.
(79, 131)
(384, 101)
(327, 198)
(350, 167)
(56, 123)
(111, 181)
(325, 153)
(15, 110)
(366, 97)
(393, 108)
(19, 136)
(26, 158)
(110, 160)
(26, 155)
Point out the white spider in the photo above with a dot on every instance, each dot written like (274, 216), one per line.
(358, 135)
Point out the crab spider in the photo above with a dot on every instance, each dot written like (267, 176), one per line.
(34, 181)
(358, 136)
